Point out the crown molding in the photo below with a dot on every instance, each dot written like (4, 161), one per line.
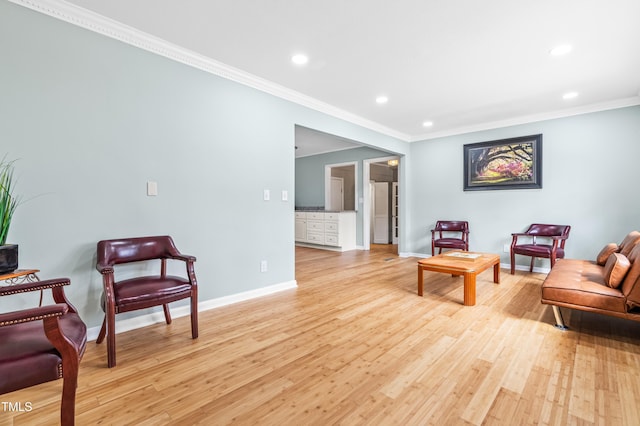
(92, 21)
(525, 119)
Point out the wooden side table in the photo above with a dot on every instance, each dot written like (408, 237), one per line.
(21, 276)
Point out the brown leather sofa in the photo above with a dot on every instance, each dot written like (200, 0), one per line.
(610, 285)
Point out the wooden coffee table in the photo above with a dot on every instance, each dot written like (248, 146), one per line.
(467, 264)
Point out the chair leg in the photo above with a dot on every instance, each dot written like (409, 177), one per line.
(167, 313)
(194, 317)
(111, 341)
(103, 331)
(531, 267)
(69, 387)
(513, 263)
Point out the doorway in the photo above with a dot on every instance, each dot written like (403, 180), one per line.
(344, 196)
(381, 172)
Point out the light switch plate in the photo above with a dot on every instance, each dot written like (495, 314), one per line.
(152, 188)
(267, 195)
(285, 195)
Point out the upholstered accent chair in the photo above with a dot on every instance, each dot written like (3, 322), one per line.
(42, 344)
(450, 234)
(539, 240)
(143, 291)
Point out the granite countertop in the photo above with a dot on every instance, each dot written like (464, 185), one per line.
(320, 209)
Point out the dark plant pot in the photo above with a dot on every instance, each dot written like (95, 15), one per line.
(8, 258)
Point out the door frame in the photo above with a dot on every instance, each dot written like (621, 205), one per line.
(327, 181)
(366, 202)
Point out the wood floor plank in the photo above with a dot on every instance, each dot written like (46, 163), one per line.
(355, 345)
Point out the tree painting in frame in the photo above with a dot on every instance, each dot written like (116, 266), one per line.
(514, 163)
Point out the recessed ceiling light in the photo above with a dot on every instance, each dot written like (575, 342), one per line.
(560, 50)
(570, 95)
(300, 59)
(427, 123)
(382, 99)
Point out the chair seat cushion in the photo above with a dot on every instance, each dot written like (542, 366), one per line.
(149, 291)
(27, 357)
(537, 250)
(449, 243)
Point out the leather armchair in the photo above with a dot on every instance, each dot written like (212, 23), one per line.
(554, 238)
(451, 235)
(143, 291)
(42, 344)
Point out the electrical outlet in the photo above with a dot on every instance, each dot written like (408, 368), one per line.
(506, 248)
(263, 266)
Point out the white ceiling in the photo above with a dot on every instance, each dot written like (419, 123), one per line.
(465, 65)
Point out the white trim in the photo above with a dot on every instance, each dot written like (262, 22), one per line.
(366, 196)
(525, 119)
(182, 311)
(327, 181)
(108, 27)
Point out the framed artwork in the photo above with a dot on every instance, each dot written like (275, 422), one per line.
(514, 163)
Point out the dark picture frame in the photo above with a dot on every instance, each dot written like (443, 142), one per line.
(514, 163)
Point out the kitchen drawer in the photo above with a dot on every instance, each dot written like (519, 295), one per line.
(314, 225)
(316, 238)
(331, 240)
(331, 227)
(315, 215)
(332, 216)
(301, 215)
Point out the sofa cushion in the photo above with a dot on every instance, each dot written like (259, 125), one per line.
(629, 243)
(581, 283)
(606, 251)
(631, 284)
(616, 269)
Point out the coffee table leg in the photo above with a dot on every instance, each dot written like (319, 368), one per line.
(420, 280)
(469, 288)
(496, 273)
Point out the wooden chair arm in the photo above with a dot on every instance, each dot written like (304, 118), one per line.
(184, 257)
(104, 269)
(33, 314)
(34, 286)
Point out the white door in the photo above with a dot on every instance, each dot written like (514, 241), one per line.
(381, 213)
(337, 194)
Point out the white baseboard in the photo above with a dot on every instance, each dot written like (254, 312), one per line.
(422, 255)
(182, 311)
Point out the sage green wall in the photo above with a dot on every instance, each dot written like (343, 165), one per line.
(91, 120)
(590, 169)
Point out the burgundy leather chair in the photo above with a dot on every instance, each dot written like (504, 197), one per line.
(552, 248)
(144, 291)
(42, 344)
(450, 234)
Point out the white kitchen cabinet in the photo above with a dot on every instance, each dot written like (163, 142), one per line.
(327, 230)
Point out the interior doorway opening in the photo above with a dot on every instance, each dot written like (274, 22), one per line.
(341, 191)
(381, 202)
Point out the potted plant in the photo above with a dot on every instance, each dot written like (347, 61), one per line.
(8, 204)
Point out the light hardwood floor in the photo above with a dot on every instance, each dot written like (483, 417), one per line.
(354, 344)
